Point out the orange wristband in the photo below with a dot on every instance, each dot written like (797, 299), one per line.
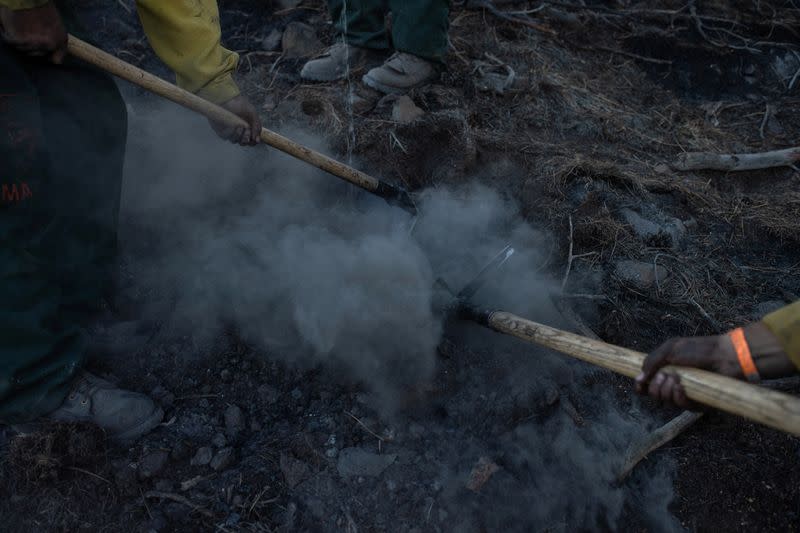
(744, 355)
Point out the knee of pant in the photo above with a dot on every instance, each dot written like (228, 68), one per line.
(114, 111)
(107, 106)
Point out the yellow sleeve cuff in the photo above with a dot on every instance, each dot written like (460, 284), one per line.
(785, 324)
(22, 4)
(186, 36)
(220, 90)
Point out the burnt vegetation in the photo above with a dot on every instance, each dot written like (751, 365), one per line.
(575, 112)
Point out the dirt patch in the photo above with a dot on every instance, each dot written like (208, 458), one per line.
(582, 135)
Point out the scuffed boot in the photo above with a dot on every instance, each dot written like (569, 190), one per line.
(123, 414)
(400, 73)
(332, 64)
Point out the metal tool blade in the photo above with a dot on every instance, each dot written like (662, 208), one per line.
(473, 286)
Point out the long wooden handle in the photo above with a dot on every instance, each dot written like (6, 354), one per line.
(154, 84)
(768, 407)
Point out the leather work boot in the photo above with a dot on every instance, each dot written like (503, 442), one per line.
(123, 414)
(400, 73)
(332, 64)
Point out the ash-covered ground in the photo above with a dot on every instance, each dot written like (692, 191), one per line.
(289, 327)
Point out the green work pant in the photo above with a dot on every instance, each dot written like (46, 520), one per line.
(419, 27)
(62, 144)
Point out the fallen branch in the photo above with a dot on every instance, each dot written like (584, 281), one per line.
(637, 452)
(489, 6)
(180, 499)
(735, 162)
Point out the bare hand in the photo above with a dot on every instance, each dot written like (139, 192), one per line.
(246, 136)
(37, 32)
(716, 354)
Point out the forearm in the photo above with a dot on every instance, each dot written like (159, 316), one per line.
(22, 4)
(768, 353)
(186, 36)
(784, 324)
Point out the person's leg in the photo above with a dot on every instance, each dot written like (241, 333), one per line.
(61, 176)
(362, 22)
(366, 40)
(419, 27)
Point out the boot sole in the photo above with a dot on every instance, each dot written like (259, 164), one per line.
(388, 89)
(144, 427)
(307, 77)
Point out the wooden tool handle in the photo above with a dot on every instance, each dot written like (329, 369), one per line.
(154, 84)
(771, 408)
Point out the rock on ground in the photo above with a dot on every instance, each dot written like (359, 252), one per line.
(223, 459)
(639, 273)
(202, 457)
(153, 463)
(359, 462)
(300, 40)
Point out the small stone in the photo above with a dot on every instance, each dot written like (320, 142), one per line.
(164, 485)
(219, 440)
(299, 40)
(483, 470)
(359, 462)
(331, 453)
(152, 463)
(405, 110)
(191, 483)
(202, 457)
(363, 102)
(294, 471)
(272, 41)
(641, 274)
(297, 394)
(267, 394)
(223, 459)
(666, 230)
(162, 395)
(180, 451)
(226, 375)
(234, 419)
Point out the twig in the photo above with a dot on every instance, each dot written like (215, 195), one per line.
(360, 423)
(796, 74)
(569, 257)
(180, 499)
(711, 322)
(491, 8)
(573, 413)
(627, 54)
(734, 162)
(767, 114)
(197, 396)
(76, 469)
(637, 452)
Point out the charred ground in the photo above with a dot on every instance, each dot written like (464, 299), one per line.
(604, 97)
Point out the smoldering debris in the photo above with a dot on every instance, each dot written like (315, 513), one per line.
(221, 238)
(271, 248)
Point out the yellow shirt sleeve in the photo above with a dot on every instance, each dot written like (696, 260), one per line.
(785, 324)
(186, 36)
(22, 4)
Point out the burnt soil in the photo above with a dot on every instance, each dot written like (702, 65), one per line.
(605, 96)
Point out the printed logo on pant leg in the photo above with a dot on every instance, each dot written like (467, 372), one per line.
(14, 193)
